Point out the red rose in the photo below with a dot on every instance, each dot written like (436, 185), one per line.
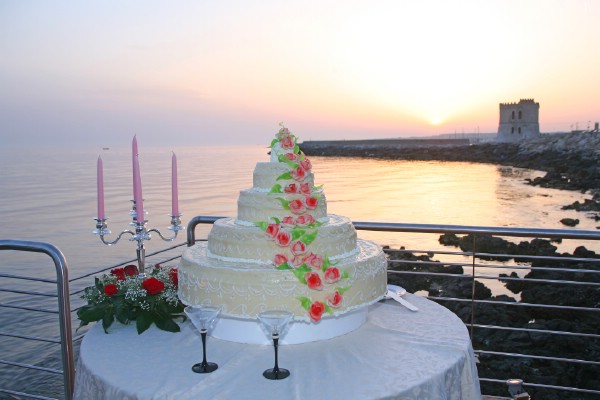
(311, 202)
(297, 206)
(298, 247)
(291, 156)
(280, 259)
(110, 289)
(289, 221)
(332, 274)
(174, 276)
(313, 280)
(334, 299)
(131, 270)
(305, 219)
(286, 142)
(298, 174)
(314, 261)
(283, 238)
(119, 273)
(305, 188)
(292, 188)
(272, 230)
(306, 164)
(153, 286)
(316, 310)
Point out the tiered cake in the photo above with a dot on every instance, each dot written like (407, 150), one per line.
(283, 251)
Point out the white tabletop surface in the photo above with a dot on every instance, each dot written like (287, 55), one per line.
(396, 354)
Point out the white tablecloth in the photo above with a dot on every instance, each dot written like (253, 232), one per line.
(396, 354)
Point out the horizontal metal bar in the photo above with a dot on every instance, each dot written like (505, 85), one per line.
(27, 278)
(31, 396)
(39, 339)
(516, 304)
(484, 230)
(27, 292)
(519, 355)
(29, 366)
(508, 328)
(540, 385)
(28, 308)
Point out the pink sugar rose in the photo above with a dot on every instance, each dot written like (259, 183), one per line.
(289, 221)
(306, 164)
(298, 174)
(286, 142)
(311, 202)
(314, 261)
(332, 275)
(313, 280)
(297, 206)
(292, 188)
(291, 156)
(283, 238)
(334, 299)
(298, 247)
(305, 188)
(297, 261)
(272, 230)
(280, 259)
(316, 311)
(305, 219)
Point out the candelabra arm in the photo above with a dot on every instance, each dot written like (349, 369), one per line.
(102, 230)
(162, 237)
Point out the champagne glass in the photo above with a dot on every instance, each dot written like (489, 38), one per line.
(275, 321)
(203, 317)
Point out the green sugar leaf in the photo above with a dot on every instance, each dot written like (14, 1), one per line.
(262, 225)
(305, 302)
(309, 237)
(297, 233)
(283, 267)
(276, 189)
(341, 290)
(284, 203)
(284, 177)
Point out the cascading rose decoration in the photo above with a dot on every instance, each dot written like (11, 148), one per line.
(295, 233)
(124, 296)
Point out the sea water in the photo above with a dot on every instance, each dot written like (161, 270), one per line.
(49, 195)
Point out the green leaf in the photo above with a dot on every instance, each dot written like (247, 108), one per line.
(296, 148)
(309, 237)
(292, 164)
(328, 309)
(305, 302)
(262, 225)
(98, 285)
(166, 324)
(273, 143)
(276, 189)
(284, 203)
(286, 176)
(326, 263)
(345, 274)
(341, 290)
(143, 322)
(297, 232)
(108, 319)
(300, 273)
(91, 313)
(283, 267)
(122, 315)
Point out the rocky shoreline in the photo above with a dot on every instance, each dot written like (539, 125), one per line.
(570, 160)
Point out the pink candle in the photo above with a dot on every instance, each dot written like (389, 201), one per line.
(137, 183)
(174, 194)
(100, 182)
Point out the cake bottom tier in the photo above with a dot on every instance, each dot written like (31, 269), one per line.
(244, 290)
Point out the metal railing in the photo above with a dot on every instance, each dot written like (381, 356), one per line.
(64, 315)
(414, 268)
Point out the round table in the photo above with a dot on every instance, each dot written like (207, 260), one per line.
(396, 354)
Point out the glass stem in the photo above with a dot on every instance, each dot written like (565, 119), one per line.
(203, 334)
(276, 345)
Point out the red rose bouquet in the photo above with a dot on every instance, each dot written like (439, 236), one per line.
(124, 296)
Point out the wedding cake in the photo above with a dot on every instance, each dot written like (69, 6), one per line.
(284, 252)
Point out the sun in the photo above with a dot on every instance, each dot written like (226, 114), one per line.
(435, 120)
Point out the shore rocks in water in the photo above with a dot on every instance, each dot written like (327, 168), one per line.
(539, 286)
(569, 221)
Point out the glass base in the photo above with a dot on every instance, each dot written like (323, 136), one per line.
(282, 373)
(204, 369)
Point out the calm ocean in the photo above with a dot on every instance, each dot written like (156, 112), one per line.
(50, 196)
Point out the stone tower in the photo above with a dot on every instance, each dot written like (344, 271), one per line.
(519, 121)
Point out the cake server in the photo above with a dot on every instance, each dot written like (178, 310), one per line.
(395, 293)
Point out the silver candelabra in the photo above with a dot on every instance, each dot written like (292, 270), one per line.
(140, 234)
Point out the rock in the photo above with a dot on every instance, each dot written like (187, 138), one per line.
(569, 221)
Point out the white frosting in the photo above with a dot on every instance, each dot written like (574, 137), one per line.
(254, 206)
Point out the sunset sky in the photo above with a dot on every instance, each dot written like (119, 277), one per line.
(93, 73)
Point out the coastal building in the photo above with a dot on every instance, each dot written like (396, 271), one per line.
(519, 121)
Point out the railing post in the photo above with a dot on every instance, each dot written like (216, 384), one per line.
(64, 304)
(473, 252)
